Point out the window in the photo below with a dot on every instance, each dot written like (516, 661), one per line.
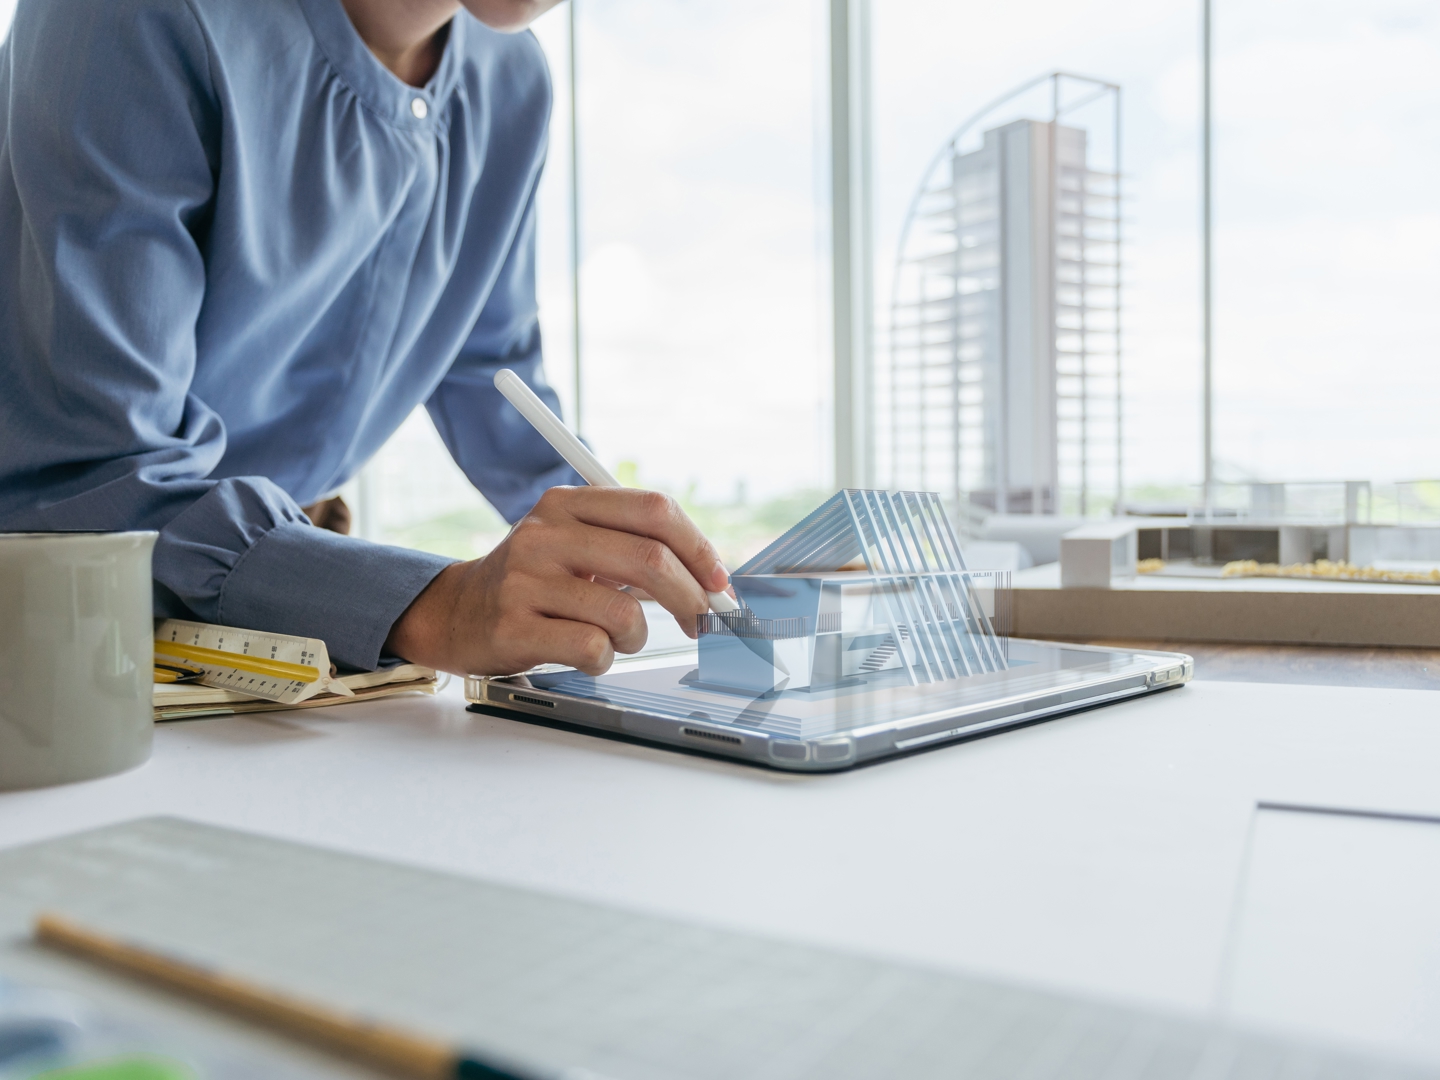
(1327, 223)
(1326, 209)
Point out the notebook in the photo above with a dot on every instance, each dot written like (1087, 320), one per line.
(564, 984)
(193, 701)
(203, 669)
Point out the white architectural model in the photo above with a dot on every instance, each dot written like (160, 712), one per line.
(1003, 383)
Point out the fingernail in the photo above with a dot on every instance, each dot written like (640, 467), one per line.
(719, 577)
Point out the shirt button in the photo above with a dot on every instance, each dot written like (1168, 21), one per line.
(419, 108)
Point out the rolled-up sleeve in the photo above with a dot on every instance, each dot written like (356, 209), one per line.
(111, 159)
(492, 443)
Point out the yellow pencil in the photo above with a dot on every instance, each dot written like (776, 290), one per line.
(257, 665)
(390, 1048)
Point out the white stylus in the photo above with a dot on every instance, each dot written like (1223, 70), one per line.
(569, 446)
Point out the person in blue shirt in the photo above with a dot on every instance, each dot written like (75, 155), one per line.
(239, 243)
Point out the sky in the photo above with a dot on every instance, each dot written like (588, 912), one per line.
(704, 227)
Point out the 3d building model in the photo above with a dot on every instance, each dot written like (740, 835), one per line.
(1001, 388)
(871, 587)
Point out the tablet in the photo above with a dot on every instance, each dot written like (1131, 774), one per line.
(660, 698)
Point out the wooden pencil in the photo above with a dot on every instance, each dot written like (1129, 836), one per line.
(389, 1048)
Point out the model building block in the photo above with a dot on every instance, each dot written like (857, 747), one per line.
(871, 586)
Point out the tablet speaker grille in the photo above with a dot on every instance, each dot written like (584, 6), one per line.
(701, 733)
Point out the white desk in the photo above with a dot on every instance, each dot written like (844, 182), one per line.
(1099, 852)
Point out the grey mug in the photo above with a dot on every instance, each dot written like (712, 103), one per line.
(76, 655)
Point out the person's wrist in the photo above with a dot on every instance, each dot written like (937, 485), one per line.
(420, 634)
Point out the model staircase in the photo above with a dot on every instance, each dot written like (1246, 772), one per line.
(882, 655)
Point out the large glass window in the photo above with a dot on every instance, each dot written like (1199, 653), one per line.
(1327, 201)
(704, 273)
(1326, 209)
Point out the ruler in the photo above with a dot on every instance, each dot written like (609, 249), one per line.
(270, 666)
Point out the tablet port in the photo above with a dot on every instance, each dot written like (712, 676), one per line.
(841, 750)
(784, 750)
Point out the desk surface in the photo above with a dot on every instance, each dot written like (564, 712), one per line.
(1311, 665)
(1099, 852)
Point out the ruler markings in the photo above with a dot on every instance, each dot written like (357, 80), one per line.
(235, 659)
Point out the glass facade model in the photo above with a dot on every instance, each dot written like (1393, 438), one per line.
(870, 587)
(1003, 381)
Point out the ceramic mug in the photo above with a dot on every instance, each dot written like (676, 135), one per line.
(76, 655)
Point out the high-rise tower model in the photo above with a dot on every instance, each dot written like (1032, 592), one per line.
(1003, 385)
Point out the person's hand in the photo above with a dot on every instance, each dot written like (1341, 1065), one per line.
(551, 592)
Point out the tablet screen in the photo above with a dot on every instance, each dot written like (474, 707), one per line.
(669, 686)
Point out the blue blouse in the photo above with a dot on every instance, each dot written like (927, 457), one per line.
(235, 253)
